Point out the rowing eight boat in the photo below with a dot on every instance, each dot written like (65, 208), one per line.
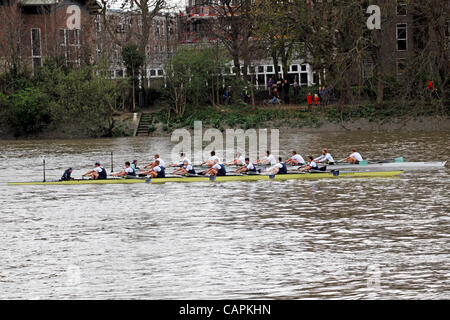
(253, 177)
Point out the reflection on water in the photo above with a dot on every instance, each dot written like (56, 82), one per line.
(362, 238)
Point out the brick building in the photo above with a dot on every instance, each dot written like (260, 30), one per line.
(35, 29)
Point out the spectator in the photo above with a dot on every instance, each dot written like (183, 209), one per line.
(316, 99)
(274, 96)
(309, 99)
(270, 84)
(296, 90)
(286, 87)
(226, 99)
(279, 83)
(430, 86)
(245, 95)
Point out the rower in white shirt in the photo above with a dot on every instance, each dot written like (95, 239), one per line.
(157, 171)
(278, 168)
(296, 159)
(128, 171)
(310, 165)
(153, 164)
(238, 161)
(268, 159)
(217, 169)
(325, 158)
(180, 162)
(248, 167)
(355, 157)
(211, 160)
(186, 169)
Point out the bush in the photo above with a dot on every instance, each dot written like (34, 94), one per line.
(30, 110)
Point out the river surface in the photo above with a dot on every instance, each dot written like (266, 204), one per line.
(330, 239)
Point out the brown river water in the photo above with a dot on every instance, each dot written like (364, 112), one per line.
(331, 239)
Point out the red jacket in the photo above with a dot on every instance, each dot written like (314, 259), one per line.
(309, 99)
(316, 100)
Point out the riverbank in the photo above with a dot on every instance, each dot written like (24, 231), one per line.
(390, 118)
(299, 118)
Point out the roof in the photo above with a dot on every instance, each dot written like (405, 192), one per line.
(30, 3)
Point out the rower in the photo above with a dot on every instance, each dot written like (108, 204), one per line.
(180, 163)
(278, 168)
(187, 169)
(311, 165)
(248, 167)
(355, 157)
(153, 164)
(268, 159)
(217, 169)
(67, 175)
(98, 173)
(134, 165)
(128, 171)
(325, 158)
(238, 161)
(296, 159)
(157, 171)
(212, 160)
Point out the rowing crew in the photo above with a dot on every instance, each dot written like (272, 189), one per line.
(156, 169)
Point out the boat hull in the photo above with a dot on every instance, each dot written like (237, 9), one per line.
(281, 177)
(389, 165)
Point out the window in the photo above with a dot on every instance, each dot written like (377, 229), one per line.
(401, 66)
(36, 53)
(402, 36)
(260, 69)
(401, 8)
(294, 68)
(69, 41)
(119, 73)
(303, 67)
(152, 72)
(269, 69)
(160, 72)
(367, 70)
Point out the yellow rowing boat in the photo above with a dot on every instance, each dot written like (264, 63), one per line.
(244, 177)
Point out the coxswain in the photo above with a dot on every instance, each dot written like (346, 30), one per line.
(134, 165)
(311, 165)
(157, 171)
(355, 157)
(268, 159)
(98, 173)
(127, 172)
(186, 169)
(238, 161)
(217, 169)
(325, 158)
(67, 175)
(211, 160)
(247, 168)
(295, 159)
(278, 168)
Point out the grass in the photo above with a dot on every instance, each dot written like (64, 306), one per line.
(246, 117)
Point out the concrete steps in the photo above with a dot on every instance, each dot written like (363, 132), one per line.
(145, 122)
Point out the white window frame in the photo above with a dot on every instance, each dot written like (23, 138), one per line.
(33, 56)
(406, 36)
(402, 3)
